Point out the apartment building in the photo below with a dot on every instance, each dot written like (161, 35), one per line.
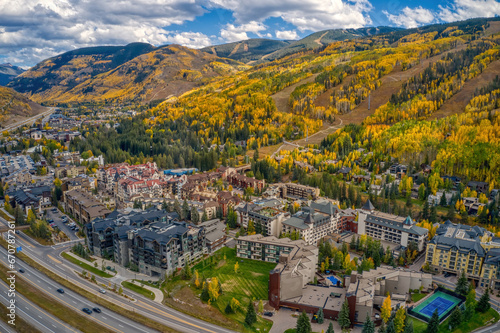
(83, 206)
(314, 222)
(36, 198)
(390, 228)
(243, 181)
(293, 191)
(267, 213)
(110, 175)
(151, 241)
(69, 171)
(457, 247)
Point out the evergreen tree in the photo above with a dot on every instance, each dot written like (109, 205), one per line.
(381, 329)
(228, 308)
(443, 202)
(251, 316)
(451, 213)
(343, 318)
(368, 325)
(330, 328)
(433, 325)
(205, 296)
(321, 316)
(433, 214)
(303, 324)
(483, 304)
(456, 318)
(470, 303)
(408, 327)
(185, 210)
(462, 286)
(390, 327)
(425, 210)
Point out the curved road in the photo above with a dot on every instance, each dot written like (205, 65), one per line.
(49, 257)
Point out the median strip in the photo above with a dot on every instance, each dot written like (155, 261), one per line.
(92, 297)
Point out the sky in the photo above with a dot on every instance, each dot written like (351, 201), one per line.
(34, 30)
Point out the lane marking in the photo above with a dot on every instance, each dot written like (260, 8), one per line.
(54, 259)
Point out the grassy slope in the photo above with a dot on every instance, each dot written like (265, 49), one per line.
(138, 289)
(85, 266)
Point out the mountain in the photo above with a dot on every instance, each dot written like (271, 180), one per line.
(260, 50)
(247, 50)
(139, 72)
(16, 107)
(8, 72)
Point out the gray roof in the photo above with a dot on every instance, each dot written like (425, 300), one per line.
(324, 206)
(394, 224)
(368, 205)
(296, 222)
(492, 257)
(462, 245)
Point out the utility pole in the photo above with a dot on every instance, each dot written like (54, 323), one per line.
(369, 100)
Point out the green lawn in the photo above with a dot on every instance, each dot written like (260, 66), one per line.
(478, 320)
(415, 297)
(146, 283)
(139, 290)
(251, 282)
(85, 266)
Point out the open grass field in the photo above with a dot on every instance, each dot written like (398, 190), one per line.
(251, 281)
(248, 284)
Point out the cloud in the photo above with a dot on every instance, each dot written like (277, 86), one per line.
(304, 14)
(195, 40)
(287, 34)
(232, 33)
(411, 17)
(55, 26)
(466, 9)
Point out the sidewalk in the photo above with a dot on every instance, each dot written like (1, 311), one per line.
(122, 273)
(158, 293)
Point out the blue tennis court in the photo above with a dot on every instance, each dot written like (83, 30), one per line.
(441, 301)
(438, 303)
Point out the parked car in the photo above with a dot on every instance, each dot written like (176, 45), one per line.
(54, 210)
(87, 310)
(60, 291)
(447, 274)
(268, 313)
(97, 310)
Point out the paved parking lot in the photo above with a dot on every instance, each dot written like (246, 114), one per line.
(57, 217)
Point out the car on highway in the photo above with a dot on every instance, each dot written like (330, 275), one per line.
(17, 232)
(60, 291)
(102, 291)
(21, 270)
(96, 310)
(87, 310)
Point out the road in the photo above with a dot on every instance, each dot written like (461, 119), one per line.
(34, 315)
(73, 300)
(29, 120)
(49, 257)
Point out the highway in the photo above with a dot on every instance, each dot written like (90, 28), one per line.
(29, 120)
(73, 300)
(34, 315)
(49, 257)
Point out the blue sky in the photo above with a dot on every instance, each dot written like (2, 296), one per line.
(33, 30)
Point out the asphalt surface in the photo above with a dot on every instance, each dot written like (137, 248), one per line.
(49, 257)
(57, 217)
(34, 315)
(73, 300)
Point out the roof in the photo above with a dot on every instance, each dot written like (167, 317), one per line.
(368, 205)
(462, 245)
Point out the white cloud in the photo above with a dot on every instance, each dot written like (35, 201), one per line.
(232, 33)
(411, 17)
(287, 34)
(304, 14)
(195, 40)
(466, 9)
(55, 26)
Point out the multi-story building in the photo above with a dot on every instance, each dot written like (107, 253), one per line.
(36, 198)
(152, 241)
(267, 213)
(83, 206)
(291, 190)
(110, 175)
(243, 181)
(314, 222)
(457, 247)
(131, 186)
(69, 171)
(390, 228)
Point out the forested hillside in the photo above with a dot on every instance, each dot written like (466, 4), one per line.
(136, 72)
(238, 111)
